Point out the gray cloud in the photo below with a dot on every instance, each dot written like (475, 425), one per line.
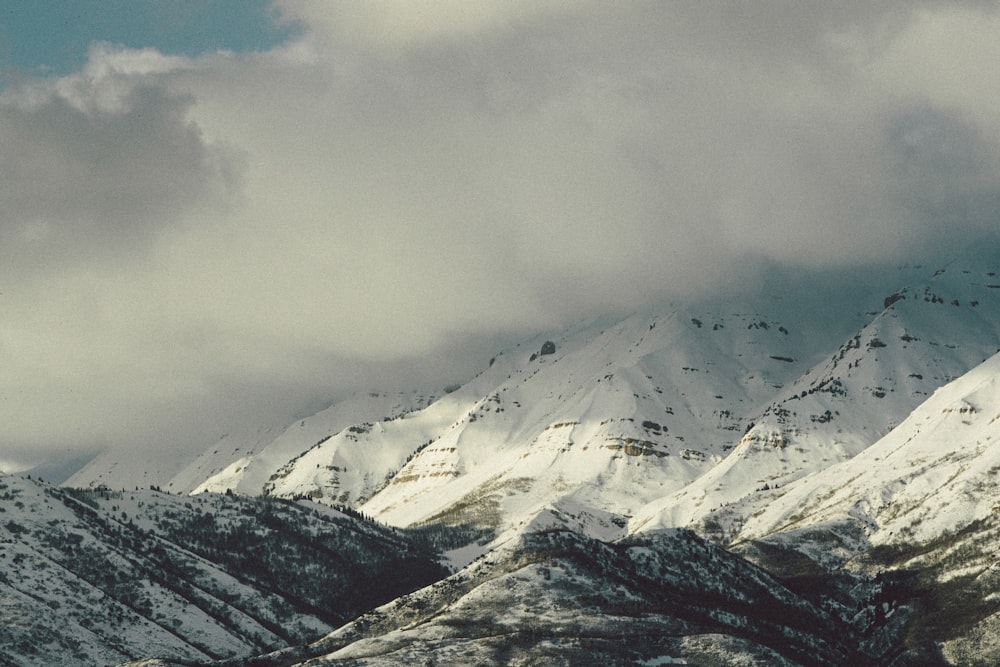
(408, 186)
(85, 184)
(947, 172)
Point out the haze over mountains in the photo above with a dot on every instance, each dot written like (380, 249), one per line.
(723, 482)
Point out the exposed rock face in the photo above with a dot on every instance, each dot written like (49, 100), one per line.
(892, 298)
(548, 347)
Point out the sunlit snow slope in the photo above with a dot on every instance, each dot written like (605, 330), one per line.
(926, 336)
(613, 415)
(933, 474)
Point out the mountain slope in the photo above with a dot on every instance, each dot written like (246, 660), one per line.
(692, 418)
(560, 598)
(243, 459)
(919, 506)
(931, 475)
(612, 415)
(92, 577)
(247, 470)
(925, 337)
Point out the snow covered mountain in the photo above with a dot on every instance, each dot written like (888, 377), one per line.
(610, 415)
(926, 336)
(696, 417)
(717, 484)
(884, 559)
(99, 576)
(561, 598)
(933, 474)
(921, 503)
(244, 459)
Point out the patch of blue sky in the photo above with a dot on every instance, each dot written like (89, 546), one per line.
(52, 37)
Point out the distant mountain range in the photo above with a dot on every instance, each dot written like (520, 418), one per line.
(703, 485)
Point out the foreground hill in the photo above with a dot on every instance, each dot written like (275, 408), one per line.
(100, 576)
(560, 598)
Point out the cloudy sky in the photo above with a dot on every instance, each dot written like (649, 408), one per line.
(229, 210)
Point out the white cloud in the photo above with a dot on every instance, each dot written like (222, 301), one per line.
(411, 182)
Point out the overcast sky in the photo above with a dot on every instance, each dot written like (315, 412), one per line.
(223, 210)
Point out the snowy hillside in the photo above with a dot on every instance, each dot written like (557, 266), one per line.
(611, 415)
(559, 598)
(925, 337)
(100, 576)
(693, 417)
(248, 470)
(243, 459)
(933, 474)
(920, 503)
(715, 485)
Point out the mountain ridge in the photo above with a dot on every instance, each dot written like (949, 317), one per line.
(715, 484)
(660, 405)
